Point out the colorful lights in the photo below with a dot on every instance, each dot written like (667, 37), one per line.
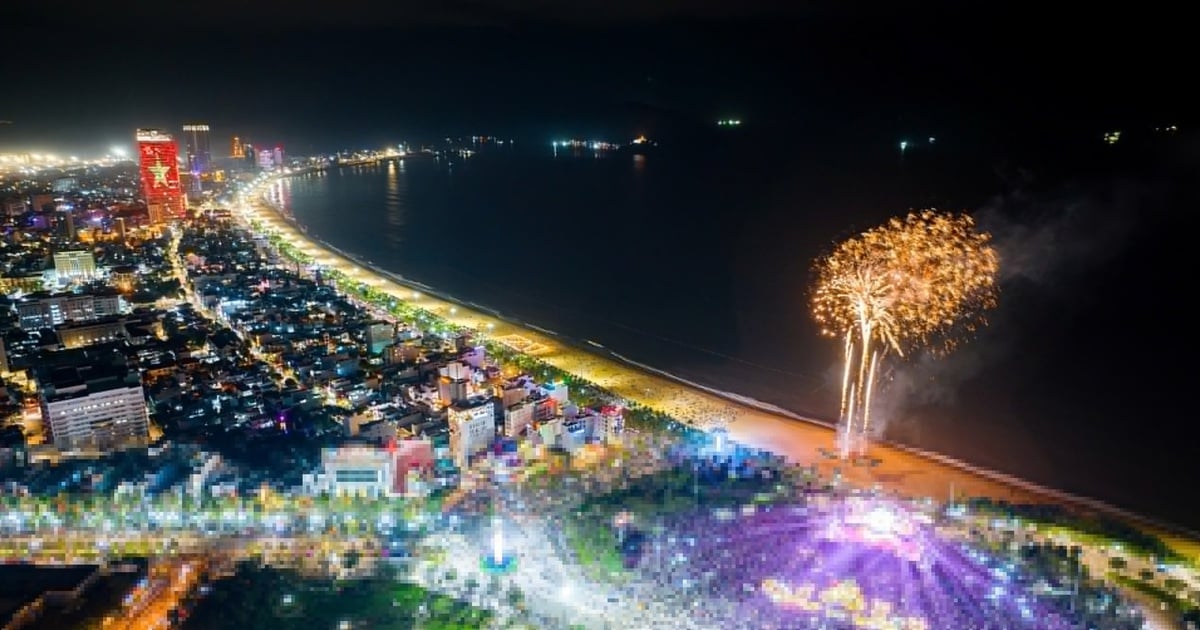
(843, 600)
(898, 287)
(497, 542)
(496, 560)
(594, 145)
(881, 520)
(159, 167)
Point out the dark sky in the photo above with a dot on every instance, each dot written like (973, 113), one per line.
(325, 75)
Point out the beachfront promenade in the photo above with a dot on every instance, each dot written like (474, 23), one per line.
(897, 470)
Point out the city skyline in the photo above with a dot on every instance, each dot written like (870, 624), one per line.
(510, 314)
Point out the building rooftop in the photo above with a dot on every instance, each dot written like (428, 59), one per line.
(354, 454)
(471, 403)
(83, 373)
(43, 295)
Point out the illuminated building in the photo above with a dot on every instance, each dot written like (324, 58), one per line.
(379, 336)
(474, 357)
(64, 184)
(454, 383)
(199, 158)
(266, 159)
(279, 157)
(45, 310)
(74, 265)
(28, 282)
(399, 353)
(550, 430)
(159, 166)
(472, 428)
(610, 425)
(517, 418)
(573, 433)
(545, 409)
(402, 469)
(69, 225)
(511, 394)
(414, 466)
(124, 278)
(94, 406)
(354, 471)
(89, 333)
(237, 151)
(557, 391)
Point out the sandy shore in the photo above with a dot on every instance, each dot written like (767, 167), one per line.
(899, 470)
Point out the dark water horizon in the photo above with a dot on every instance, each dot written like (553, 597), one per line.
(696, 259)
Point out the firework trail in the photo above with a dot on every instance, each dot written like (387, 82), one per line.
(921, 281)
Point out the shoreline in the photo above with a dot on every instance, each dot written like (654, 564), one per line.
(580, 344)
(577, 343)
(903, 469)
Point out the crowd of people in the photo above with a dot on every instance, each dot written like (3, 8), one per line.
(737, 563)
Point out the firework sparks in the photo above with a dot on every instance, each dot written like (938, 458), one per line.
(914, 282)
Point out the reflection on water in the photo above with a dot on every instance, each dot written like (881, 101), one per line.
(394, 202)
(280, 195)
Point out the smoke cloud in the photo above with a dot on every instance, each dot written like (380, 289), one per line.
(1043, 239)
(1044, 242)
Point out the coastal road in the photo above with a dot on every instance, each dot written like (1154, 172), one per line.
(895, 470)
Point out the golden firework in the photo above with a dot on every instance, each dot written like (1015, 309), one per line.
(917, 281)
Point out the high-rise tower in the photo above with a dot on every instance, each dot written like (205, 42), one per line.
(158, 157)
(199, 157)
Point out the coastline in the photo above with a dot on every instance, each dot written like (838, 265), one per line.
(804, 440)
(576, 343)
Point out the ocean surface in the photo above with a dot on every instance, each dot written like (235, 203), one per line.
(696, 258)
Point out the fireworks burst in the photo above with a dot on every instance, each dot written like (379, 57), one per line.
(915, 282)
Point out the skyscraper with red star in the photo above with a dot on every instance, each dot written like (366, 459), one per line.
(158, 157)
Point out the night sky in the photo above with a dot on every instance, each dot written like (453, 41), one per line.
(80, 75)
